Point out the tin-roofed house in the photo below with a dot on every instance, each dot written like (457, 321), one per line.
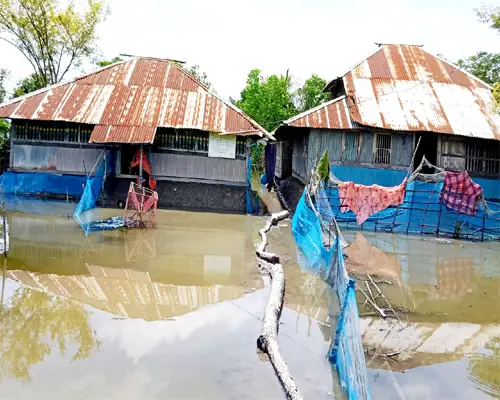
(379, 111)
(195, 143)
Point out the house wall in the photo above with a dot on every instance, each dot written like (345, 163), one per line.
(364, 170)
(54, 158)
(202, 167)
(453, 154)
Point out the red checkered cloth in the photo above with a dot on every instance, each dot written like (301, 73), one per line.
(460, 193)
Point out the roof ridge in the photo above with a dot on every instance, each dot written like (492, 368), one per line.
(459, 69)
(59, 84)
(226, 102)
(314, 109)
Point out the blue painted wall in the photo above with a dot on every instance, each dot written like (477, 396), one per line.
(491, 187)
(368, 176)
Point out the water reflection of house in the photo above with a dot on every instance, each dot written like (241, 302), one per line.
(126, 273)
(422, 343)
(128, 293)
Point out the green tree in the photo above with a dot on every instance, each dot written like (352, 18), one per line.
(311, 94)
(53, 35)
(27, 85)
(31, 321)
(490, 14)
(483, 65)
(201, 76)
(3, 93)
(105, 63)
(269, 101)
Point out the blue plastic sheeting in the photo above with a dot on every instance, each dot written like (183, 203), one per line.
(34, 205)
(270, 157)
(30, 183)
(491, 187)
(368, 176)
(422, 213)
(326, 260)
(91, 192)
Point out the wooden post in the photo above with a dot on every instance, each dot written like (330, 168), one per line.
(140, 166)
(4, 224)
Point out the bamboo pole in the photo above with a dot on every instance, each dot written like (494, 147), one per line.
(268, 339)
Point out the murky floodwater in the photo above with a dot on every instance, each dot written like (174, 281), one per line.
(175, 312)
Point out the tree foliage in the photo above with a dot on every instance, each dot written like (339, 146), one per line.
(269, 101)
(105, 63)
(490, 14)
(31, 322)
(273, 99)
(27, 85)
(201, 76)
(3, 92)
(483, 65)
(311, 94)
(53, 35)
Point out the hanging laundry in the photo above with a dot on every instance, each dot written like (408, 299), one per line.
(460, 193)
(146, 166)
(365, 201)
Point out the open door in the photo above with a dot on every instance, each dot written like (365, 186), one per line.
(428, 148)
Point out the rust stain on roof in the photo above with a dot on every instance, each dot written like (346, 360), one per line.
(402, 87)
(332, 115)
(127, 101)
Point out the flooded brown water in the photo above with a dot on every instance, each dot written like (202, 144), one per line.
(174, 312)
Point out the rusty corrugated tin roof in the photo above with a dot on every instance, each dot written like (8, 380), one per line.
(127, 101)
(332, 114)
(404, 88)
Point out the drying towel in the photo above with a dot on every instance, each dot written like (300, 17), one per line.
(368, 200)
(146, 166)
(460, 193)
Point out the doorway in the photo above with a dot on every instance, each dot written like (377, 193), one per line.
(428, 148)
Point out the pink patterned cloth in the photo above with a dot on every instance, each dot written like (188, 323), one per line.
(365, 201)
(460, 193)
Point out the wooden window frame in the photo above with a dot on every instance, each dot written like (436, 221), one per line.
(344, 144)
(376, 159)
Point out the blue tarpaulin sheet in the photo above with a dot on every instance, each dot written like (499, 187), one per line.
(422, 213)
(31, 183)
(328, 262)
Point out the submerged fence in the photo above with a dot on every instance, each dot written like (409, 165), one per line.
(421, 213)
(319, 243)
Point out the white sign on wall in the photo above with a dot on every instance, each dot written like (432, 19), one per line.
(221, 146)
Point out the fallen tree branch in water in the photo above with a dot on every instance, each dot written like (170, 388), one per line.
(268, 339)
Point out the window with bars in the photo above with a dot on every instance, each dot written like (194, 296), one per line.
(383, 148)
(483, 157)
(59, 132)
(190, 140)
(351, 146)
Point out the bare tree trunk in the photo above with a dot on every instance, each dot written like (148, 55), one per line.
(268, 339)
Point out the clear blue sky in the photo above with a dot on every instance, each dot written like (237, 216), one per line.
(228, 38)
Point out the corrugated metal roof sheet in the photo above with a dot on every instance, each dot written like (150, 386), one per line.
(332, 114)
(127, 101)
(404, 88)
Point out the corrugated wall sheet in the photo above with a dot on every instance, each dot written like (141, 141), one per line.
(67, 159)
(199, 167)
